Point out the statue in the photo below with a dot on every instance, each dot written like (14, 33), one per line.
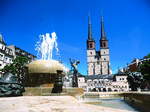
(10, 86)
(74, 64)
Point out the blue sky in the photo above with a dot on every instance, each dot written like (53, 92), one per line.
(127, 25)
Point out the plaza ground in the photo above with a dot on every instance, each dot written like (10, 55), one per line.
(49, 104)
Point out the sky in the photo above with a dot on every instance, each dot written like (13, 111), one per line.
(127, 26)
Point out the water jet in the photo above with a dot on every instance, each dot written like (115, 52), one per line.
(44, 71)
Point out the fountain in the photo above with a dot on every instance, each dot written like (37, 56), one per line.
(45, 70)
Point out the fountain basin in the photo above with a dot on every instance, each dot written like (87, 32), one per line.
(42, 73)
(45, 66)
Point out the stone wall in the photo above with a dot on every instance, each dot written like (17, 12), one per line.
(140, 100)
(46, 91)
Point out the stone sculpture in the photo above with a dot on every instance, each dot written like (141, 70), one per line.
(10, 86)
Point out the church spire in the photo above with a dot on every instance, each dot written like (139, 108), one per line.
(90, 40)
(103, 39)
(103, 34)
(89, 29)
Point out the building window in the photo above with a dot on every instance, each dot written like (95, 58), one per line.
(1, 56)
(6, 59)
(91, 45)
(90, 52)
(3, 47)
(104, 45)
(6, 50)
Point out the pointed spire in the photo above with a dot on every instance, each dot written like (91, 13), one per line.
(103, 35)
(89, 29)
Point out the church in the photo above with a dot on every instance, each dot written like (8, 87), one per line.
(98, 61)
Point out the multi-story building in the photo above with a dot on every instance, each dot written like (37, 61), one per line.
(20, 52)
(98, 61)
(99, 77)
(8, 53)
(104, 83)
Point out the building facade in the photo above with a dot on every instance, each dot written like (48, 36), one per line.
(8, 53)
(104, 83)
(99, 76)
(20, 52)
(98, 61)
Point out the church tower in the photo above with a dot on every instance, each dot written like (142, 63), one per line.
(104, 50)
(98, 62)
(90, 50)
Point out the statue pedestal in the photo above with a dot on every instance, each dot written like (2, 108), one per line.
(58, 82)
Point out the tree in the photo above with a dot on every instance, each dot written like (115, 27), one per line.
(17, 68)
(135, 80)
(144, 68)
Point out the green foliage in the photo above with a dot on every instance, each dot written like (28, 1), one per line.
(144, 68)
(17, 67)
(135, 80)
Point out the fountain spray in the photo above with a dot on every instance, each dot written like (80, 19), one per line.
(46, 45)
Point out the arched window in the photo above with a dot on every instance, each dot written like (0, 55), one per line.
(104, 44)
(91, 45)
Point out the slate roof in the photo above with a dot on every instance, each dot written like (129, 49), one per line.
(110, 77)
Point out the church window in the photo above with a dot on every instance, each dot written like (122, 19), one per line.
(91, 45)
(90, 52)
(104, 58)
(104, 44)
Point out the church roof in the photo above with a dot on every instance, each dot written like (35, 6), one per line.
(103, 34)
(90, 38)
(110, 77)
